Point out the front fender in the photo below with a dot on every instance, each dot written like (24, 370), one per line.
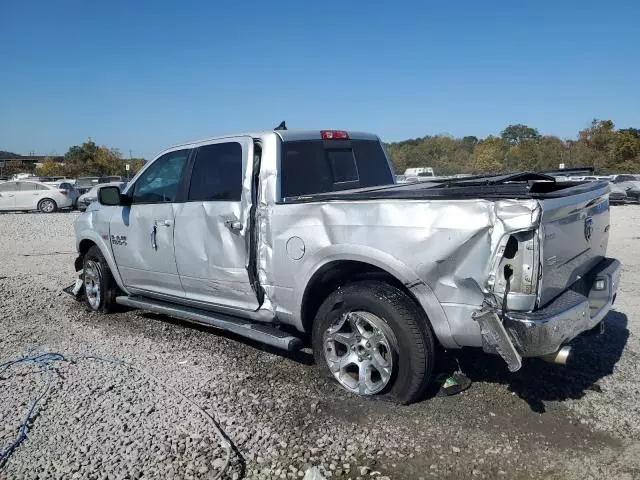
(105, 248)
(421, 291)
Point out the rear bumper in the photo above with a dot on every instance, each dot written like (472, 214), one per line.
(580, 308)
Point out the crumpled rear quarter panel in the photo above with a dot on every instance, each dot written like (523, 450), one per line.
(446, 244)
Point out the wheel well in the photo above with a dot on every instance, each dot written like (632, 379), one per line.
(83, 248)
(85, 245)
(337, 274)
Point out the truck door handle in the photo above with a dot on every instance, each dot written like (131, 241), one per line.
(153, 235)
(233, 224)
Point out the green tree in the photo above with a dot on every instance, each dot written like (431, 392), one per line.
(520, 147)
(516, 134)
(50, 168)
(488, 155)
(89, 159)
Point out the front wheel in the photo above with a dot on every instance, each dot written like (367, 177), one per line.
(99, 286)
(374, 340)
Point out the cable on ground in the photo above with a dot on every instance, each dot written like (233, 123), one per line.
(45, 362)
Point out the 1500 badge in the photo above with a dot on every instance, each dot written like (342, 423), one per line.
(119, 240)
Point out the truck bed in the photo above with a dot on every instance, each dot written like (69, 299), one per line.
(517, 186)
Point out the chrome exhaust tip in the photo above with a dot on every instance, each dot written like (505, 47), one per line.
(561, 357)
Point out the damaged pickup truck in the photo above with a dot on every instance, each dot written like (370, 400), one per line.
(286, 235)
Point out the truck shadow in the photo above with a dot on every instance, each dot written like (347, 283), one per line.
(593, 357)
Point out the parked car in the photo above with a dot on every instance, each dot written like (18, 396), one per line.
(110, 179)
(419, 172)
(70, 188)
(617, 194)
(91, 196)
(84, 184)
(30, 195)
(284, 235)
(629, 183)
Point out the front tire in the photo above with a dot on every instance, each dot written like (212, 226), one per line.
(47, 205)
(99, 286)
(374, 340)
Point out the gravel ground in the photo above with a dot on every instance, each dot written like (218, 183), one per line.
(104, 421)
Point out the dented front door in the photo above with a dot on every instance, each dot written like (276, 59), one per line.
(212, 225)
(142, 235)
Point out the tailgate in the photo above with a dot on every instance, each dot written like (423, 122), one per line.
(575, 232)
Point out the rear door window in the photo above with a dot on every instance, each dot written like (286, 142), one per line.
(8, 187)
(30, 186)
(217, 173)
(316, 166)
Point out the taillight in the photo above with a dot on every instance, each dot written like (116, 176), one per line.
(516, 262)
(334, 135)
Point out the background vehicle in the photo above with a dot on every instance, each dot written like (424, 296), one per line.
(419, 172)
(84, 184)
(70, 188)
(29, 195)
(629, 183)
(281, 234)
(91, 196)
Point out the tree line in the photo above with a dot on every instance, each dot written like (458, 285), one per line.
(520, 147)
(88, 160)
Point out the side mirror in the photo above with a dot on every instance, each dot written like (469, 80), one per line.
(109, 196)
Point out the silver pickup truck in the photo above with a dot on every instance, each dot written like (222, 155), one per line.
(289, 236)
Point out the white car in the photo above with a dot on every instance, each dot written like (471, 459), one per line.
(68, 185)
(30, 195)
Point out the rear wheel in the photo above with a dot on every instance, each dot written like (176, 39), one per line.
(374, 340)
(99, 286)
(46, 205)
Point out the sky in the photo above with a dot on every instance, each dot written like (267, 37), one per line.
(141, 76)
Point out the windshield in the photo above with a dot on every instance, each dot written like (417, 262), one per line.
(317, 166)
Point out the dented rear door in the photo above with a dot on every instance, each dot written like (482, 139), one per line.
(212, 226)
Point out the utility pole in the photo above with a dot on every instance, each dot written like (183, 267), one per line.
(128, 165)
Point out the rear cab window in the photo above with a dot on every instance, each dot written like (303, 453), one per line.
(217, 173)
(310, 167)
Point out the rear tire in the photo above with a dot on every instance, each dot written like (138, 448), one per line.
(375, 328)
(99, 286)
(47, 205)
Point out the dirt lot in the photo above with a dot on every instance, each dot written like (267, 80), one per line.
(103, 421)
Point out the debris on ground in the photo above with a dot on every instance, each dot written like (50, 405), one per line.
(313, 473)
(452, 384)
